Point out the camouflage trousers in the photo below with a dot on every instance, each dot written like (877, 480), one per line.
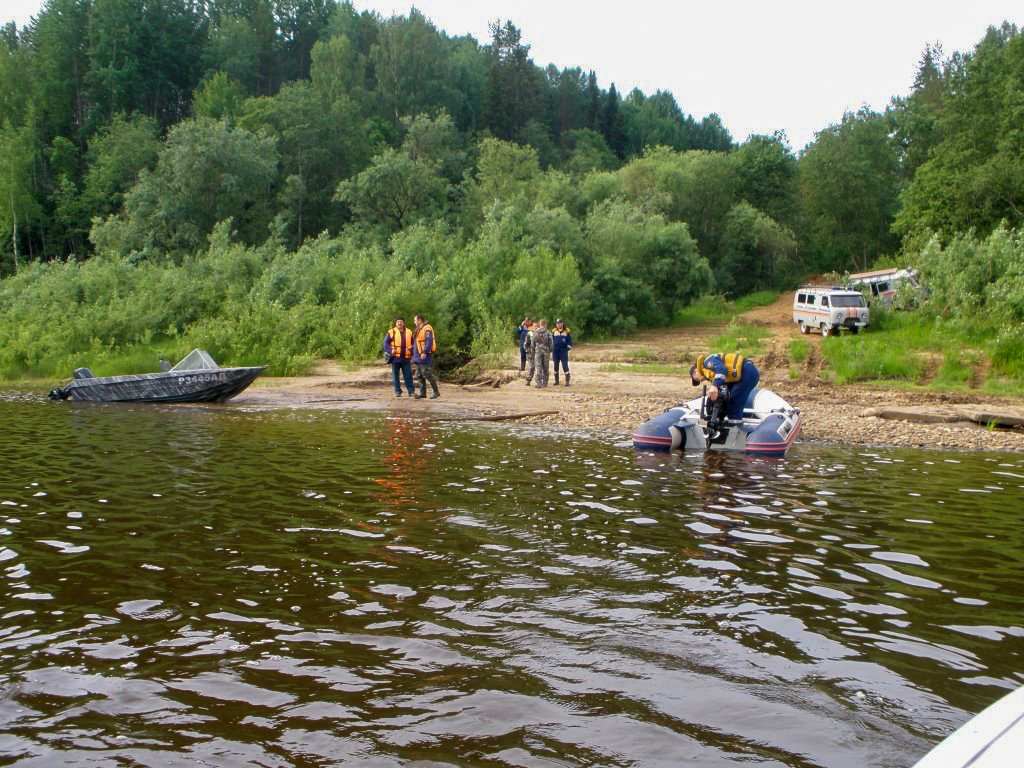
(542, 364)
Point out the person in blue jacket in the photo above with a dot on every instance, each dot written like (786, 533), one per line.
(732, 373)
(561, 338)
(398, 352)
(523, 331)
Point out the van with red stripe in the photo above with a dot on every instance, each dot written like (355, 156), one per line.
(829, 309)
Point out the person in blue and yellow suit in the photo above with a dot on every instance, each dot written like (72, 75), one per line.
(561, 339)
(523, 331)
(398, 351)
(732, 372)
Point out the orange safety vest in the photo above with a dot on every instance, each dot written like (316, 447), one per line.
(401, 346)
(421, 336)
(733, 362)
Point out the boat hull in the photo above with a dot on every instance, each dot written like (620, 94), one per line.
(199, 386)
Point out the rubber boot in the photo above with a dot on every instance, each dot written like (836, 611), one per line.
(567, 375)
(421, 394)
(556, 377)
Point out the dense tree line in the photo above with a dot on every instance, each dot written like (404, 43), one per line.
(132, 131)
(331, 86)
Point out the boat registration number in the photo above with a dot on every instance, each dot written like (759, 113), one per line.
(203, 378)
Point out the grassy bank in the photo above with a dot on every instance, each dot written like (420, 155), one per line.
(919, 350)
(713, 310)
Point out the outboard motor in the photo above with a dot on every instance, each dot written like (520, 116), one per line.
(716, 411)
(83, 373)
(59, 393)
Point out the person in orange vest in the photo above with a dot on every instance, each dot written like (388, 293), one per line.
(398, 352)
(423, 348)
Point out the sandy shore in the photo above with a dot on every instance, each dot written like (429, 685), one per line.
(607, 395)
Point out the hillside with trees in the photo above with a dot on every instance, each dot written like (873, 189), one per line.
(276, 180)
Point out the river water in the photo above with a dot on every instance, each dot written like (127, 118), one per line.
(233, 587)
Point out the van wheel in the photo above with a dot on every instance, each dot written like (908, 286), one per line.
(804, 328)
(826, 330)
(854, 329)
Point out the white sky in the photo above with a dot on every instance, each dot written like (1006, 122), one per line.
(794, 65)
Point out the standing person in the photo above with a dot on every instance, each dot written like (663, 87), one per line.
(732, 375)
(561, 339)
(542, 352)
(523, 331)
(398, 350)
(530, 361)
(423, 348)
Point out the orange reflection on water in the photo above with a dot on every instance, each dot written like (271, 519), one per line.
(402, 486)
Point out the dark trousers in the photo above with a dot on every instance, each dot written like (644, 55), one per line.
(522, 357)
(561, 356)
(740, 391)
(425, 373)
(405, 367)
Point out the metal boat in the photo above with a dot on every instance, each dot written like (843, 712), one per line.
(768, 428)
(196, 379)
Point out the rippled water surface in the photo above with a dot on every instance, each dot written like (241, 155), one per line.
(217, 586)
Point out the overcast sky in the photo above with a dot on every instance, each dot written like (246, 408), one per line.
(792, 65)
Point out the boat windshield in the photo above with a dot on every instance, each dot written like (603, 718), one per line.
(847, 301)
(196, 360)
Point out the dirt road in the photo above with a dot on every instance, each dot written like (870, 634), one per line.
(615, 387)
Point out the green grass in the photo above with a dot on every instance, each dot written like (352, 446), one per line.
(920, 351)
(799, 350)
(740, 337)
(712, 310)
(865, 357)
(640, 355)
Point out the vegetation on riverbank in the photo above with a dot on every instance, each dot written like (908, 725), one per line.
(279, 193)
(966, 331)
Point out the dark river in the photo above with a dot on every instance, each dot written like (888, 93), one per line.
(228, 587)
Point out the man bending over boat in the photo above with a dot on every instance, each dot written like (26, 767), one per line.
(731, 375)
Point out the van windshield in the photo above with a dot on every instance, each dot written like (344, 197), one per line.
(847, 301)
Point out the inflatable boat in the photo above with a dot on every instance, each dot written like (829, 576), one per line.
(768, 428)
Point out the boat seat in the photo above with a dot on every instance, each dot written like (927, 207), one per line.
(83, 373)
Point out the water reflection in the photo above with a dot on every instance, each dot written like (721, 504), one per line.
(281, 588)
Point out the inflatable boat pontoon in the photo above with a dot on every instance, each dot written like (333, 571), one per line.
(769, 426)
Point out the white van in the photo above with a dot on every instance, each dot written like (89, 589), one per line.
(829, 308)
(883, 283)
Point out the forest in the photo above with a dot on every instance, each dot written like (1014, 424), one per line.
(275, 180)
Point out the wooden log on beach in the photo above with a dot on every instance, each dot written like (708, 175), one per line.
(504, 417)
(986, 415)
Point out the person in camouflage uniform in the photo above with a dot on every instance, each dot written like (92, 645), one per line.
(541, 344)
(528, 348)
